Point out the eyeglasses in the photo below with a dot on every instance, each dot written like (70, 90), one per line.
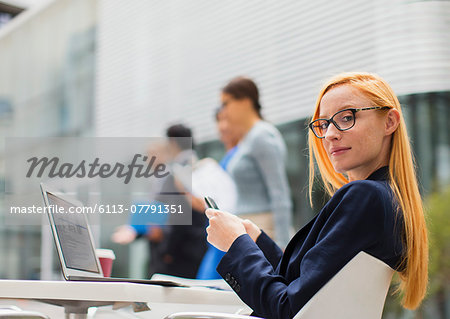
(342, 120)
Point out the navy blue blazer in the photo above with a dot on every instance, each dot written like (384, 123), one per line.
(361, 216)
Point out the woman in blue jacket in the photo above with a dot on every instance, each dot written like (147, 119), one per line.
(359, 142)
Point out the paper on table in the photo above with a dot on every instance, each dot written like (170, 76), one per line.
(218, 284)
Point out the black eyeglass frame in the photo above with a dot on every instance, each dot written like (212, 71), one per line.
(353, 110)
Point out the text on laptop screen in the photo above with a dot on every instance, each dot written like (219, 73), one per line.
(73, 236)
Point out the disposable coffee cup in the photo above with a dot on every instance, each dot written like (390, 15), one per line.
(106, 258)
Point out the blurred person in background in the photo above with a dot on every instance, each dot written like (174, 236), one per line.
(359, 141)
(175, 250)
(183, 246)
(258, 164)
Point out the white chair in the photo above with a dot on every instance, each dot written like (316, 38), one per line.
(357, 291)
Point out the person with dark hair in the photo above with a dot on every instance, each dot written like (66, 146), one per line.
(258, 165)
(182, 247)
(175, 250)
(180, 135)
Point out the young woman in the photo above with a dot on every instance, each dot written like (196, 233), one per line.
(359, 142)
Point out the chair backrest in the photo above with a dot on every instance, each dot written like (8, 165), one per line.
(357, 291)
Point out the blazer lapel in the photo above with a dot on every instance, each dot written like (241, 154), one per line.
(300, 236)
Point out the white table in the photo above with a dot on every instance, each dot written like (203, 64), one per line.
(77, 297)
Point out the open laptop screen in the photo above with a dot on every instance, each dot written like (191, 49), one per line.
(73, 237)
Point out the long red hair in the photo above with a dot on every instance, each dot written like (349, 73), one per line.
(403, 181)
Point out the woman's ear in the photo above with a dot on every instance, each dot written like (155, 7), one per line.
(392, 121)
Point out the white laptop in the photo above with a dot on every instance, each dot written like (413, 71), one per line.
(75, 245)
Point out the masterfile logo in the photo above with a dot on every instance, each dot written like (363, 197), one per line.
(113, 178)
(146, 168)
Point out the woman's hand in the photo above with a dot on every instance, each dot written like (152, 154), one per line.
(252, 230)
(223, 228)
